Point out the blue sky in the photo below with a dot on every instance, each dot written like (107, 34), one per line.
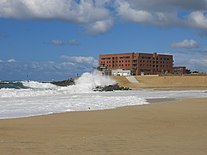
(57, 39)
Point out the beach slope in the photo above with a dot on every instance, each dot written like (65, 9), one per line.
(168, 82)
(174, 127)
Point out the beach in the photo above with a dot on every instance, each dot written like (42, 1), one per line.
(167, 127)
(188, 82)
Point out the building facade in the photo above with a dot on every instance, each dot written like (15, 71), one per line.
(138, 63)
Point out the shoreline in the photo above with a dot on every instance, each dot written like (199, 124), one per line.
(148, 100)
(167, 127)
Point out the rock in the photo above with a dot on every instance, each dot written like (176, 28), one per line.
(64, 83)
(111, 88)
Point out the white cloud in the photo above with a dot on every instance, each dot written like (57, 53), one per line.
(194, 60)
(185, 44)
(143, 12)
(65, 68)
(137, 15)
(57, 42)
(99, 27)
(73, 42)
(81, 60)
(97, 16)
(84, 12)
(198, 19)
(199, 64)
(68, 64)
(11, 60)
(1, 60)
(164, 12)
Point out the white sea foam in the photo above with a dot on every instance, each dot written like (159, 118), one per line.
(85, 84)
(43, 98)
(38, 85)
(89, 81)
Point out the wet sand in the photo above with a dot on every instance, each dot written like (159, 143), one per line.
(177, 127)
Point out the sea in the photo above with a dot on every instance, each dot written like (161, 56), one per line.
(33, 98)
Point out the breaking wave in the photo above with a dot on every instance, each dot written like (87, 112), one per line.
(84, 84)
(31, 98)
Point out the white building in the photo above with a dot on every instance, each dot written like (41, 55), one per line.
(120, 72)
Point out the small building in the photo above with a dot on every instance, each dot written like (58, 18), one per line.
(120, 72)
(180, 70)
(105, 71)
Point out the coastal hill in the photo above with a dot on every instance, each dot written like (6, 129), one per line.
(155, 81)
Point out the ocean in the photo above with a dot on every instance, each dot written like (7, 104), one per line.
(32, 98)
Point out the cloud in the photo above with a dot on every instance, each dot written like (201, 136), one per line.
(1, 61)
(199, 64)
(59, 42)
(141, 15)
(100, 27)
(88, 60)
(65, 68)
(179, 13)
(68, 64)
(198, 19)
(81, 60)
(185, 44)
(73, 42)
(194, 60)
(97, 16)
(56, 42)
(83, 12)
(11, 60)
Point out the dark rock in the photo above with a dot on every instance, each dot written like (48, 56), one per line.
(64, 83)
(111, 88)
(15, 85)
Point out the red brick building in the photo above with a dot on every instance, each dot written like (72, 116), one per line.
(138, 63)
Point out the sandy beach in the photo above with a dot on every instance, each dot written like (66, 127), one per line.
(188, 82)
(173, 127)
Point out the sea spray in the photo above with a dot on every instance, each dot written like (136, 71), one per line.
(38, 85)
(84, 84)
(89, 81)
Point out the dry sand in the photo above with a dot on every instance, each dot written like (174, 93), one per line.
(171, 128)
(155, 81)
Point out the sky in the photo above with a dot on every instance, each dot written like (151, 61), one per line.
(58, 39)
